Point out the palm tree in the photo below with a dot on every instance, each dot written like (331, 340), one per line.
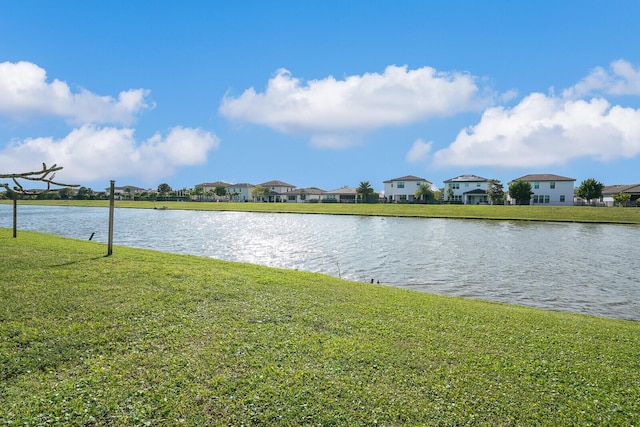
(365, 191)
(423, 193)
(198, 192)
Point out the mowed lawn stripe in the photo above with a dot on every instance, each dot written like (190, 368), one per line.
(147, 338)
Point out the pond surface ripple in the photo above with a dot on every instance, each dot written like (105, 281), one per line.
(581, 268)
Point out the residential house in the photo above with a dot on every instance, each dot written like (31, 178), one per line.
(341, 195)
(305, 195)
(611, 190)
(403, 189)
(211, 186)
(206, 190)
(277, 191)
(549, 189)
(126, 192)
(466, 189)
(240, 192)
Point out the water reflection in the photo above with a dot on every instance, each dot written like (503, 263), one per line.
(584, 268)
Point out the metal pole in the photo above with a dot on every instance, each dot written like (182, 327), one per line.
(111, 208)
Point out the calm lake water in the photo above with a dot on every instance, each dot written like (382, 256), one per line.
(582, 268)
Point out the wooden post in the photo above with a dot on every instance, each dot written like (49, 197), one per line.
(15, 215)
(111, 209)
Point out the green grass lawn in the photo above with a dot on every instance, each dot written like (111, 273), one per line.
(527, 213)
(147, 338)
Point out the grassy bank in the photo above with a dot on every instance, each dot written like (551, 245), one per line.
(146, 338)
(526, 213)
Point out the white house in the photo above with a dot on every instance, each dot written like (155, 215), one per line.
(341, 195)
(127, 192)
(549, 189)
(403, 189)
(305, 195)
(209, 186)
(240, 192)
(278, 190)
(467, 189)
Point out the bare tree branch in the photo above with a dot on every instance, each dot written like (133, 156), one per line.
(46, 175)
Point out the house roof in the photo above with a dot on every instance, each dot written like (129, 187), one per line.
(476, 191)
(543, 177)
(308, 191)
(408, 178)
(241, 185)
(276, 183)
(467, 178)
(628, 188)
(213, 184)
(344, 191)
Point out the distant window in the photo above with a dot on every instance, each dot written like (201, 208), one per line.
(539, 199)
(552, 185)
(562, 198)
(455, 185)
(291, 198)
(478, 185)
(400, 184)
(536, 185)
(403, 197)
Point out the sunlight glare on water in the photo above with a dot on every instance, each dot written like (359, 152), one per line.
(583, 268)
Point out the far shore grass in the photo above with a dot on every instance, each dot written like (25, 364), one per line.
(585, 214)
(149, 338)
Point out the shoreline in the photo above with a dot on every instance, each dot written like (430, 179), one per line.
(574, 214)
(183, 337)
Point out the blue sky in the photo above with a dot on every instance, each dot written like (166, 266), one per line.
(319, 93)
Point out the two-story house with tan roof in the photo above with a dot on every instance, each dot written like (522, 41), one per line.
(467, 189)
(209, 186)
(277, 191)
(240, 192)
(403, 189)
(549, 189)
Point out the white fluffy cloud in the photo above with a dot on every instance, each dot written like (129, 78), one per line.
(25, 92)
(621, 79)
(546, 130)
(93, 153)
(329, 110)
(419, 151)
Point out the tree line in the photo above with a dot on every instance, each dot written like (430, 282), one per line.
(520, 191)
